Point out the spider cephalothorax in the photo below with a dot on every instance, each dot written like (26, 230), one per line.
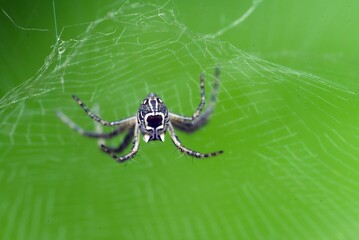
(152, 121)
(152, 118)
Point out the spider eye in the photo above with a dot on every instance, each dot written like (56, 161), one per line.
(154, 121)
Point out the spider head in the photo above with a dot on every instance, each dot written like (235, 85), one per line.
(153, 118)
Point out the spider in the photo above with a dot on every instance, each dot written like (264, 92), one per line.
(152, 120)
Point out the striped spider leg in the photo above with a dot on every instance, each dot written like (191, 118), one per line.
(122, 125)
(199, 118)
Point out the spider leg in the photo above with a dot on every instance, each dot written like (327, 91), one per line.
(187, 151)
(85, 133)
(203, 98)
(126, 141)
(127, 121)
(198, 119)
(134, 150)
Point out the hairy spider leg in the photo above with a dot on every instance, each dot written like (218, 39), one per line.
(89, 134)
(198, 119)
(203, 98)
(187, 151)
(134, 150)
(128, 121)
(125, 142)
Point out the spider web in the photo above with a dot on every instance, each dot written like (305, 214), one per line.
(289, 137)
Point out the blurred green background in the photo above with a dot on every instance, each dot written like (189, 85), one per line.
(287, 119)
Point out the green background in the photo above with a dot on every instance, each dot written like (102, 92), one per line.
(290, 135)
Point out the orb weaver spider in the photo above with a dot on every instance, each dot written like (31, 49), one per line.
(152, 120)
